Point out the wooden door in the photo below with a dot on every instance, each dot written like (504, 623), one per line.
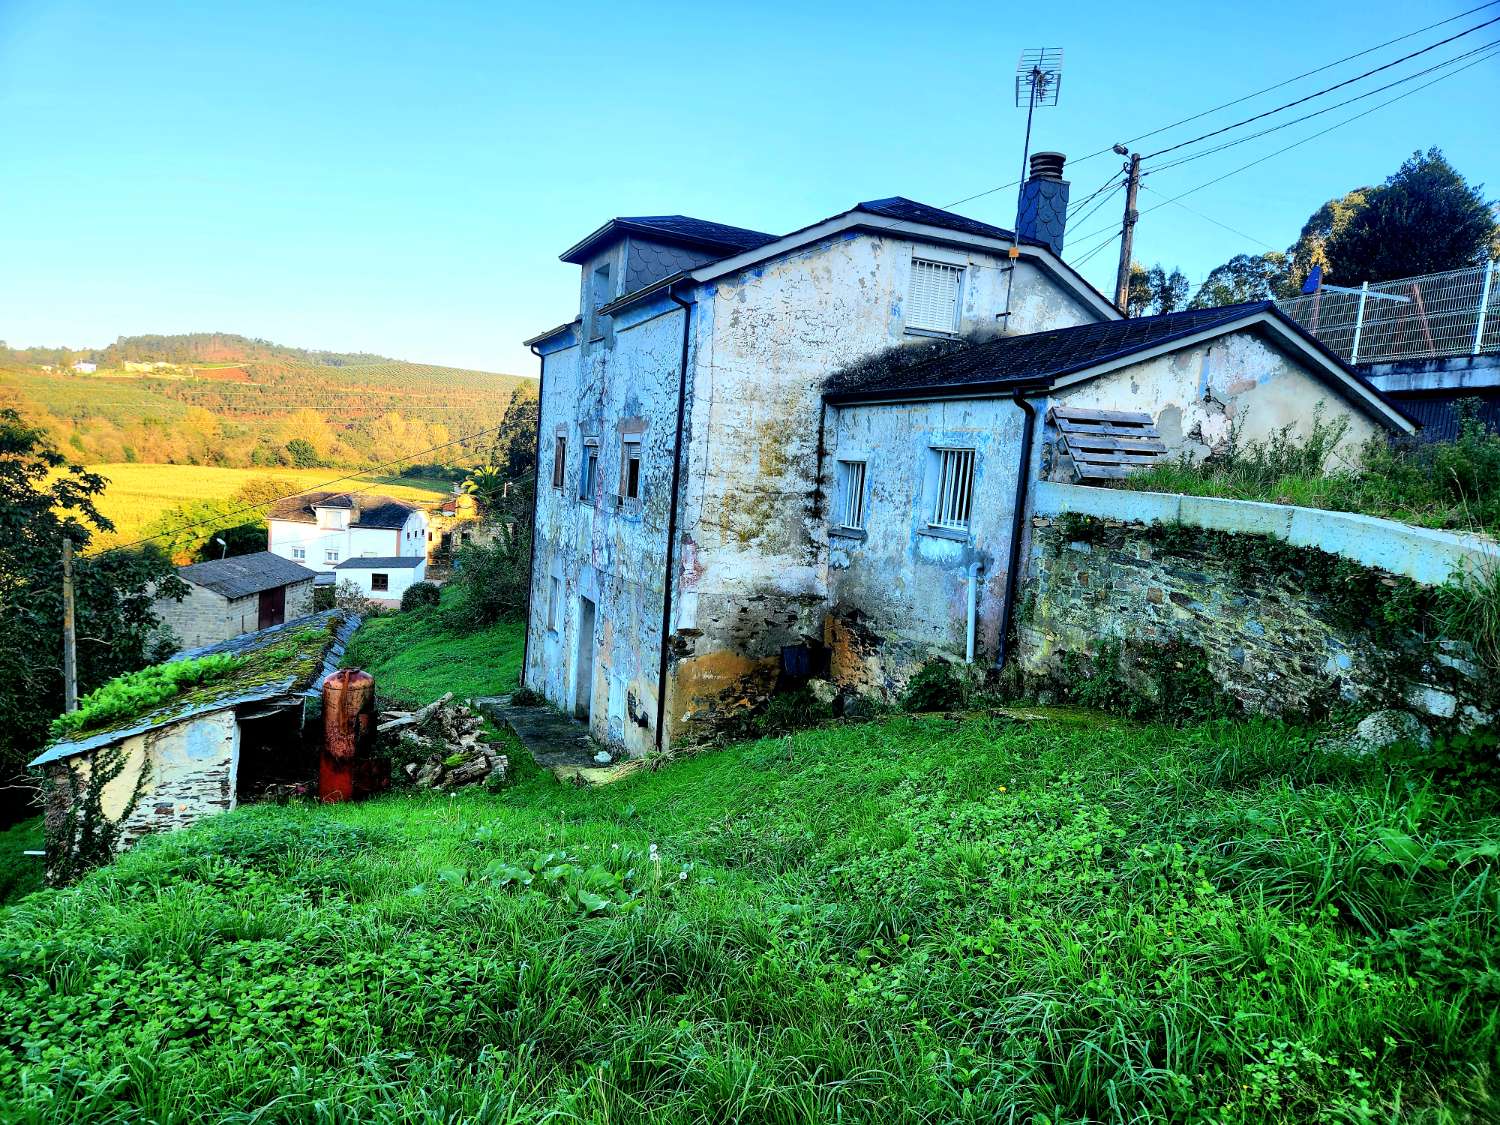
(272, 607)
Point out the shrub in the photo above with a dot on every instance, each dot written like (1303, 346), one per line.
(420, 594)
(489, 582)
(136, 693)
(935, 687)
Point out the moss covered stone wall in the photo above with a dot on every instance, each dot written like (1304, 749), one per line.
(1283, 629)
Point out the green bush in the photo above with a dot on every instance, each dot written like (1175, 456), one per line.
(420, 594)
(489, 582)
(136, 693)
(1440, 484)
(936, 686)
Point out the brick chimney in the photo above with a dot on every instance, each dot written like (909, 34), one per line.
(1044, 201)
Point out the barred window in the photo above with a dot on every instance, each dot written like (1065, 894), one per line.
(852, 494)
(955, 490)
(932, 300)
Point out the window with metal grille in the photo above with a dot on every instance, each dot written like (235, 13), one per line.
(630, 467)
(554, 602)
(589, 479)
(559, 460)
(380, 581)
(852, 494)
(955, 488)
(932, 300)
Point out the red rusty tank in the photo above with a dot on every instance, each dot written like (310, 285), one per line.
(348, 768)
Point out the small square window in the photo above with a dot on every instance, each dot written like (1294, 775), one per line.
(299, 553)
(932, 297)
(630, 467)
(852, 495)
(554, 602)
(380, 581)
(955, 489)
(330, 556)
(559, 460)
(588, 481)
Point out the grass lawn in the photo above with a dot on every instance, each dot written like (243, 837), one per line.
(911, 920)
(415, 657)
(20, 874)
(138, 493)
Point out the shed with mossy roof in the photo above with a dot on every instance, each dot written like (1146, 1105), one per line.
(158, 749)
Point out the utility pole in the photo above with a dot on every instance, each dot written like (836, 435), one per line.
(70, 640)
(1127, 238)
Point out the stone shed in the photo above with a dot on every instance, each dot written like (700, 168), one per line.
(228, 597)
(195, 753)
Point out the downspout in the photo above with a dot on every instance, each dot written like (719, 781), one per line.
(536, 480)
(666, 592)
(1017, 525)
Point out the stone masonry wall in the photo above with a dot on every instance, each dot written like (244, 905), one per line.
(1276, 635)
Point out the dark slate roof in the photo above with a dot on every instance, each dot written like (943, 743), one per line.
(718, 237)
(1438, 411)
(383, 562)
(231, 692)
(1033, 359)
(368, 510)
(243, 575)
(910, 211)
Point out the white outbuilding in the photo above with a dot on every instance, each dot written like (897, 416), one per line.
(383, 580)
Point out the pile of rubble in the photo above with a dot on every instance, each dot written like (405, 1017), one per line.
(445, 745)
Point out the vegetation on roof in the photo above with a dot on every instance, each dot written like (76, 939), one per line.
(186, 684)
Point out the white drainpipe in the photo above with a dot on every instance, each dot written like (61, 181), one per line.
(974, 569)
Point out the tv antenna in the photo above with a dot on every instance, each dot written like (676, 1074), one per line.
(1038, 82)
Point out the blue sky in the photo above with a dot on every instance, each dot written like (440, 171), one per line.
(400, 177)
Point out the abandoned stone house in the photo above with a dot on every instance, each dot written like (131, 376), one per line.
(758, 451)
(227, 597)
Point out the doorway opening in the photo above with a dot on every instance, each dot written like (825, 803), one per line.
(583, 664)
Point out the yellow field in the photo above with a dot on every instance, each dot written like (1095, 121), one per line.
(138, 493)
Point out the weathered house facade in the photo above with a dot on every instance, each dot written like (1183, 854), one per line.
(756, 450)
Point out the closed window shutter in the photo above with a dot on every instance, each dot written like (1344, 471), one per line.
(932, 302)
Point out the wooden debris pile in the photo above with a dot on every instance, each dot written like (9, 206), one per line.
(445, 745)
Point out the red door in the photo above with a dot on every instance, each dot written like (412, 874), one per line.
(272, 607)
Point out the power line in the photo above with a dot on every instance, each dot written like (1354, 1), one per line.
(1325, 90)
(1245, 98)
(1444, 65)
(1211, 219)
(1310, 137)
(303, 491)
(1094, 209)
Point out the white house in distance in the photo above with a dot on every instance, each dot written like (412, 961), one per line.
(320, 530)
(383, 580)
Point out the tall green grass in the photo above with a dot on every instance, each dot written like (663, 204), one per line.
(915, 920)
(417, 655)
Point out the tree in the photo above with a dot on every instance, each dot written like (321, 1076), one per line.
(514, 449)
(1154, 291)
(43, 499)
(1425, 219)
(1311, 247)
(302, 453)
(1245, 277)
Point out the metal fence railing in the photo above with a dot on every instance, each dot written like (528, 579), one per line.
(1438, 314)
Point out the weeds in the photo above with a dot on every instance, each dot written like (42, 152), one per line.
(913, 920)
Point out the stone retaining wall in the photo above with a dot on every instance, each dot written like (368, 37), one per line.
(1285, 628)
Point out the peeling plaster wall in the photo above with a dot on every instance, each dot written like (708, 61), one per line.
(606, 549)
(190, 770)
(751, 567)
(1197, 393)
(899, 593)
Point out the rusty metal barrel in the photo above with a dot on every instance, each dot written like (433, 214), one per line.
(347, 767)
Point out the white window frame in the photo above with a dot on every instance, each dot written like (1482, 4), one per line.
(852, 494)
(554, 602)
(299, 553)
(331, 555)
(927, 308)
(953, 495)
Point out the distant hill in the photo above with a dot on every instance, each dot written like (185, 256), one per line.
(223, 399)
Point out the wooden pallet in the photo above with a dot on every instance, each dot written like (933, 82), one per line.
(1105, 445)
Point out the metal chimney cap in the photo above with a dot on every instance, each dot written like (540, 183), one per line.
(1047, 165)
